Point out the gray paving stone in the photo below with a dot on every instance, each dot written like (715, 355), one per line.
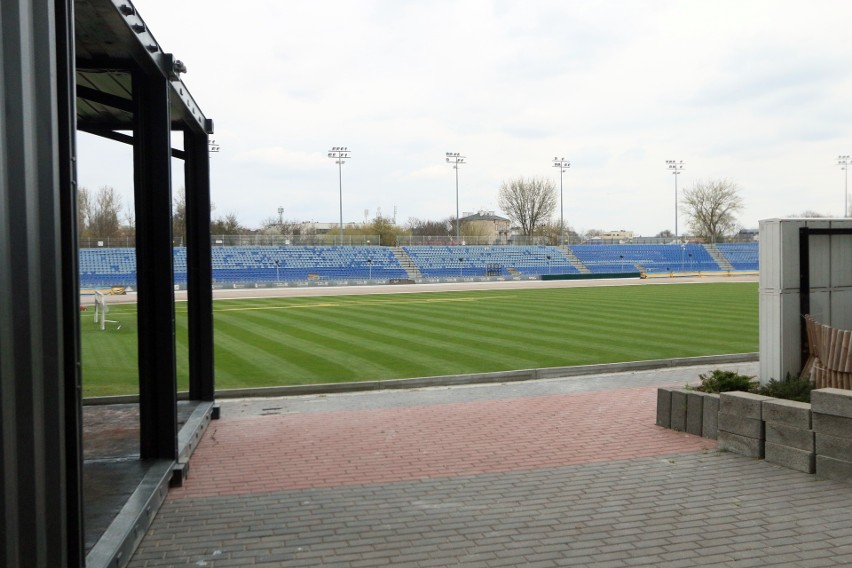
(702, 508)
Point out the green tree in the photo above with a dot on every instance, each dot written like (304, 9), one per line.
(712, 207)
(528, 202)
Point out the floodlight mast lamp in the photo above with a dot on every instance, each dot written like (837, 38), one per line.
(676, 166)
(456, 160)
(340, 155)
(844, 162)
(563, 165)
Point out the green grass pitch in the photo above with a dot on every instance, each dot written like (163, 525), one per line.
(286, 341)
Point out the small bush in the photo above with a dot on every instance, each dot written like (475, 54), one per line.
(726, 381)
(790, 388)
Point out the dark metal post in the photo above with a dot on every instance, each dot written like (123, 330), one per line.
(67, 119)
(41, 523)
(155, 268)
(804, 288)
(199, 267)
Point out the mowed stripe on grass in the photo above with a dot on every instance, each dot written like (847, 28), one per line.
(281, 341)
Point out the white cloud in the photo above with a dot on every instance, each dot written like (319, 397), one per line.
(757, 91)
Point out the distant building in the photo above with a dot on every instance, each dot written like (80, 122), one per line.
(748, 235)
(620, 234)
(487, 224)
(313, 227)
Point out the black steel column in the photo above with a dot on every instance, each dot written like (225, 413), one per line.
(67, 122)
(154, 267)
(199, 266)
(39, 487)
(804, 290)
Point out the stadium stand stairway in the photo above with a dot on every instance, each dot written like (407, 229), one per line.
(406, 262)
(720, 258)
(575, 262)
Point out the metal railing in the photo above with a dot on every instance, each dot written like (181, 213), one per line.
(375, 240)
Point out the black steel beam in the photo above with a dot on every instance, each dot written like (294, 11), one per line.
(105, 99)
(199, 266)
(155, 267)
(124, 139)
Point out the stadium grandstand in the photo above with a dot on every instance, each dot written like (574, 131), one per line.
(303, 265)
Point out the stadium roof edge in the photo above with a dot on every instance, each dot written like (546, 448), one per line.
(111, 42)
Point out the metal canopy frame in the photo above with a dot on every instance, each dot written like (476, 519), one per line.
(93, 66)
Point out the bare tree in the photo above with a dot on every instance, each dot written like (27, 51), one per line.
(84, 211)
(104, 212)
(429, 228)
(551, 231)
(712, 207)
(528, 202)
(276, 226)
(227, 225)
(179, 215)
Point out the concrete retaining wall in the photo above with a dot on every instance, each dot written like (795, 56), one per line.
(811, 438)
(832, 420)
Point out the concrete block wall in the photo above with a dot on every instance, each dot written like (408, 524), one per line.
(790, 439)
(710, 425)
(741, 426)
(688, 411)
(832, 424)
(812, 438)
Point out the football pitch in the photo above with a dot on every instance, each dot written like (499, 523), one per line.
(261, 342)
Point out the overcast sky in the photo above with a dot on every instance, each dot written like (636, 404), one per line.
(756, 91)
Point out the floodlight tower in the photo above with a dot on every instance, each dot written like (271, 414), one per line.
(844, 162)
(676, 166)
(563, 165)
(340, 154)
(456, 160)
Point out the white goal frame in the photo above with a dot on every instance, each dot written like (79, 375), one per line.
(101, 311)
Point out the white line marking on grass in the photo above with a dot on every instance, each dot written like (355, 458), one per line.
(361, 303)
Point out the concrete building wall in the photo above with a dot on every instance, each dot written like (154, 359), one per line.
(830, 276)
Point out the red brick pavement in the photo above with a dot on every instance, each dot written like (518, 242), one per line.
(313, 450)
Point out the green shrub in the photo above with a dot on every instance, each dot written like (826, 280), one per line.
(790, 388)
(726, 381)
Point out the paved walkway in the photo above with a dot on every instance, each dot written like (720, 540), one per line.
(565, 472)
